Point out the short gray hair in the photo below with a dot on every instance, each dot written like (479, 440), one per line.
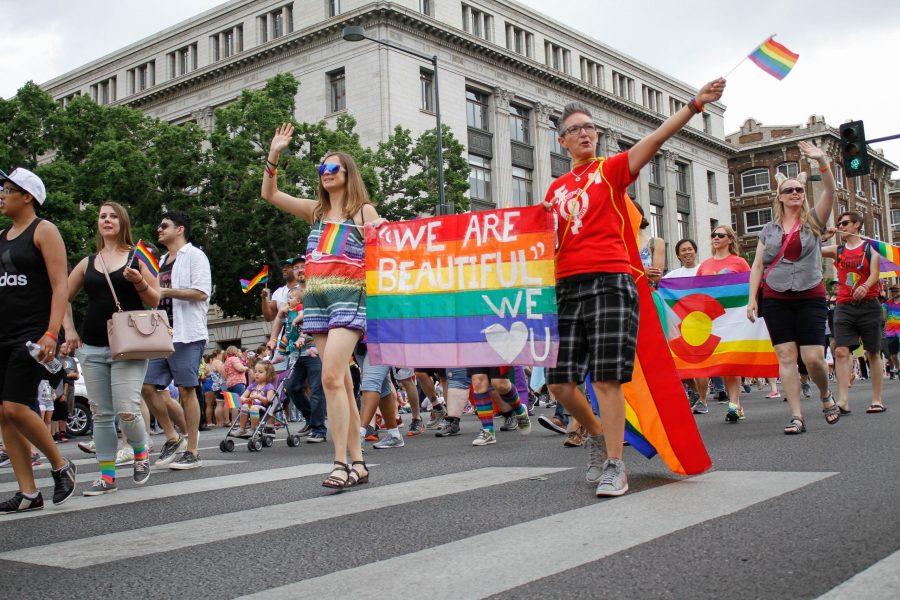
(570, 109)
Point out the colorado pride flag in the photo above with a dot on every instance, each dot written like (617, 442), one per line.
(708, 330)
(469, 290)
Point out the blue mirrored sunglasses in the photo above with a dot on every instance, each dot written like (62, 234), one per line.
(330, 168)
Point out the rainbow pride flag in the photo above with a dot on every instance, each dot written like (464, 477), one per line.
(261, 277)
(713, 336)
(334, 238)
(774, 59)
(888, 251)
(144, 254)
(888, 269)
(232, 400)
(892, 325)
(469, 290)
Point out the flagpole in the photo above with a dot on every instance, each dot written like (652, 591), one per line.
(746, 56)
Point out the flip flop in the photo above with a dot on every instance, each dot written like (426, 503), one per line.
(876, 408)
(844, 411)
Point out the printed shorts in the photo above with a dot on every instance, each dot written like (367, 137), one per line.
(598, 326)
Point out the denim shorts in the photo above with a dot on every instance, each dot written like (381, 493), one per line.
(459, 379)
(182, 366)
(375, 378)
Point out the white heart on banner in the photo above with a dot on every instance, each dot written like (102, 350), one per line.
(507, 343)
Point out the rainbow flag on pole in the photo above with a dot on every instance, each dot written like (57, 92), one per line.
(232, 400)
(890, 252)
(261, 277)
(773, 58)
(708, 330)
(143, 254)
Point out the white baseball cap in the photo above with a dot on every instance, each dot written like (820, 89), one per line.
(28, 181)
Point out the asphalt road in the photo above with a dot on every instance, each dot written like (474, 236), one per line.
(777, 517)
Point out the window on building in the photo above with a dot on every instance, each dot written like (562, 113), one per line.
(755, 180)
(555, 146)
(707, 123)
(730, 185)
(675, 105)
(682, 178)
(755, 219)
(788, 169)
(479, 178)
(476, 110)
(895, 219)
(839, 176)
(592, 73)
(858, 183)
(333, 7)
(278, 24)
(713, 223)
(623, 86)
(184, 61)
(519, 124)
(519, 41)
(734, 222)
(477, 22)
(521, 187)
(337, 98)
(104, 92)
(426, 7)
(684, 225)
(262, 29)
(427, 79)
(652, 98)
(842, 208)
(556, 57)
(876, 226)
(657, 225)
(873, 191)
(711, 187)
(141, 77)
(656, 170)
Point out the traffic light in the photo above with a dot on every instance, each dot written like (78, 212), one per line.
(854, 154)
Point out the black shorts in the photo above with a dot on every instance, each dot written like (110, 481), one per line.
(855, 322)
(799, 321)
(491, 372)
(20, 375)
(434, 373)
(893, 345)
(598, 327)
(60, 409)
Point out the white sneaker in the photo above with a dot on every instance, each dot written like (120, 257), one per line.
(484, 438)
(125, 456)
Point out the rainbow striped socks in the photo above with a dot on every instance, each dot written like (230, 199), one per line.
(512, 398)
(484, 408)
(140, 453)
(108, 471)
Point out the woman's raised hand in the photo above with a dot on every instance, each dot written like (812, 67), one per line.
(712, 91)
(282, 138)
(812, 152)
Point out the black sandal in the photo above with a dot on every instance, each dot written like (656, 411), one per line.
(355, 478)
(333, 481)
(833, 412)
(795, 426)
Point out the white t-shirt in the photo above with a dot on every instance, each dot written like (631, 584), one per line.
(682, 272)
(191, 271)
(280, 296)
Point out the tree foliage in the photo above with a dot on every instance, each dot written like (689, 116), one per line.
(88, 154)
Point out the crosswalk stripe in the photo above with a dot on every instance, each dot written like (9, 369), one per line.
(558, 542)
(12, 486)
(881, 580)
(179, 488)
(184, 534)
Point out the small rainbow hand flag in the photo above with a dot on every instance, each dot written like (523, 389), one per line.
(143, 254)
(888, 251)
(333, 238)
(773, 58)
(232, 400)
(261, 277)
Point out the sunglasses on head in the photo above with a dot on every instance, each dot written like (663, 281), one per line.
(330, 168)
(791, 190)
(721, 236)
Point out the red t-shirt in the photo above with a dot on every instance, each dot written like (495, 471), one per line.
(852, 271)
(588, 228)
(730, 264)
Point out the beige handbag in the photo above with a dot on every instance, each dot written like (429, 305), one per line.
(137, 334)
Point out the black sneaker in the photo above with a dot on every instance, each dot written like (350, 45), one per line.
(306, 430)
(63, 483)
(315, 438)
(187, 460)
(141, 472)
(449, 428)
(171, 450)
(19, 503)
(722, 396)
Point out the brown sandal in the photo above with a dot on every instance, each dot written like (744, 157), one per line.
(333, 481)
(795, 427)
(832, 413)
(355, 478)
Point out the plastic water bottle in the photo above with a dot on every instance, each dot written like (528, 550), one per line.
(53, 365)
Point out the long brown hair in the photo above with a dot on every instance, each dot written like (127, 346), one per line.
(355, 195)
(732, 238)
(124, 240)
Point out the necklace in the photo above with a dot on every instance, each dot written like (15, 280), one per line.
(585, 170)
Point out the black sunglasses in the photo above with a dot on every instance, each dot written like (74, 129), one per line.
(721, 236)
(791, 190)
(844, 223)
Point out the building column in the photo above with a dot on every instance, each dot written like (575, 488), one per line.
(670, 210)
(611, 138)
(270, 23)
(501, 175)
(285, 20)
(237, 42)
(542, 143)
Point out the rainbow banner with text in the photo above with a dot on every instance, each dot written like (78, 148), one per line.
(470, 290)
(705, 320)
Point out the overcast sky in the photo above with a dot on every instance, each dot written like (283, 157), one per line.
(848, 50)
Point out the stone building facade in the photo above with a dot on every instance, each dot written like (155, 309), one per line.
(762, 151)
(894, 194)
(506, 71)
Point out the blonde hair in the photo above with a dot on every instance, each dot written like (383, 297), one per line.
(732, 238)
(805, 214)
(355, 195)
(124, 240)
(231, 351)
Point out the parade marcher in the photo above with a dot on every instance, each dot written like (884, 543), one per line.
(484, 381)
(289, 271)
(892, 338)
(187, 296)
(596, 294)
(34, 288)
(857, 315)
(788, 269)
(725, 259)
(113, 386)
(652, 250)
(335, 303)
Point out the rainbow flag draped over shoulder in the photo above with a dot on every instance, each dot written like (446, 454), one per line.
(892, 325)
(145, 255)
(889, 252)
(469, 290)
(261, 277)
(657, 413)
(713, 336)
(232, 400)
(774, 59)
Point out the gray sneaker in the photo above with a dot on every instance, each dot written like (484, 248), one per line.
(388, 442)
(186, 461)
(141, 472)
(523, 423)
(510, 423)
(699, 407)
(485, 438)
(596, 445)
(100, 487)
(613, 481)
(171, 450)
(806, 390)
(437, 415)
(449, 428)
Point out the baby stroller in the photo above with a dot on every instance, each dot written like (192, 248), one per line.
(264, 433)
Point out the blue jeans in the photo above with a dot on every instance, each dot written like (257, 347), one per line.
(113, 388)
(308, 369)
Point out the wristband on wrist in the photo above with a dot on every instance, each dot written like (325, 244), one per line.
(273, 164)
(51, 336)
(271, 172)
(824, 169)
(696, 106)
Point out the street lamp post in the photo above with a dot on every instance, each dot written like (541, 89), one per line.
(357, 33)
